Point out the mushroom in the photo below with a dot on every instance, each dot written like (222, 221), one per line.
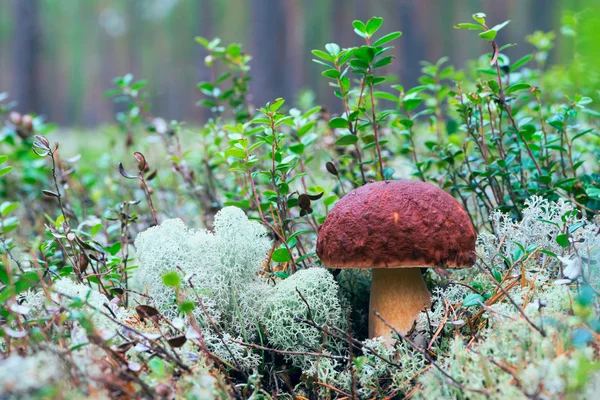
(396, 228)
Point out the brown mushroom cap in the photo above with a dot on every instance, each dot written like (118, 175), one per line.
(397, 224)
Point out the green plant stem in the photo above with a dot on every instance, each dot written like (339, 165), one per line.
(505, 105)
(376, 132)
(544, 131)
(414, 146)
(353, 131)
(264, 220)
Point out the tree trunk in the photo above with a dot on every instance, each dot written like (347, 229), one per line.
(25, 54)
(269, 78)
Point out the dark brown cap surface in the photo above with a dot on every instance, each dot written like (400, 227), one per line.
(397, 224)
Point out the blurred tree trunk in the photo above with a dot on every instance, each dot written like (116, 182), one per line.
(293, 12)
(413, 44)
(269, 78)
(204, 20)
(25, 54)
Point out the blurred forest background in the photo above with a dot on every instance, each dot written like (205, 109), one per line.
(57, 57)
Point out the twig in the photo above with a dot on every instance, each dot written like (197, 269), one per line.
(357, 344)
(508, 371)
(486, 268)
(148, 197)
(10, 254)
(159, 349)
(440, 328)
(214, 325)
(428, 357)
(376, 131)
(289, 352)
(334, 389)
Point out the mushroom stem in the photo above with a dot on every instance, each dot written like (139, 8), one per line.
(398, 294)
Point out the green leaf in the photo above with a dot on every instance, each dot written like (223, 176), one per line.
(520, 62)
(346, 140)
(472, 299)
(488, 35)
(491, 33)
(563, 240)
(171, 279)
(201, 40)
(386, 96)
(364, 54)
(360, 28)
(506, 46)
(5, 170)
(387, 38)
(281, 274)
(411, 104)
(417, 89)
(115, 248)
(593, 192)
(470, 26)
(582, 133)
(383, 62)
(273, 107)
(281, 255)
(95, 229)
(186, 307)
(332, 48)
(479, 17)
(322, 63)
(297, 148)
(388, 172)
(304, 257)
(498, 27)
(323, 55)
(331, 73)
(235, 152)
(305, 128)
(359, 64)
(497, 275)
(574, 227)
(547, 252)
(593, 113)
(494, 86)
(3, 159)
(299, 232)
(312, 111)
(338, 122)
(373, 25)
(516, 87)
(7, 207)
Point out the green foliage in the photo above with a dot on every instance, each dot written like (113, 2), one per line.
(171, 279)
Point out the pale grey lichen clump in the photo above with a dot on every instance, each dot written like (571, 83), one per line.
(97, 303)
(223, 266)
(371, 369)
(541, 222)
(21, 376)
(284, 304)
(541, 366)
(202, 384)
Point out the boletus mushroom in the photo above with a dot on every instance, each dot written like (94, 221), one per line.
(396, 228)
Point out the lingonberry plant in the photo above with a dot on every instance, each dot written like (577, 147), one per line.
(170, 260)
